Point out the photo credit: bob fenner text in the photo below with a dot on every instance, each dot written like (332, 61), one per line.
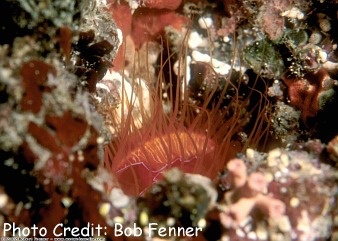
(91, 230)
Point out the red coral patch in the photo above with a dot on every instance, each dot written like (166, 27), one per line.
(43, 137)
(69, 129)
(148, 24)
(34, 76)
(304, 91)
